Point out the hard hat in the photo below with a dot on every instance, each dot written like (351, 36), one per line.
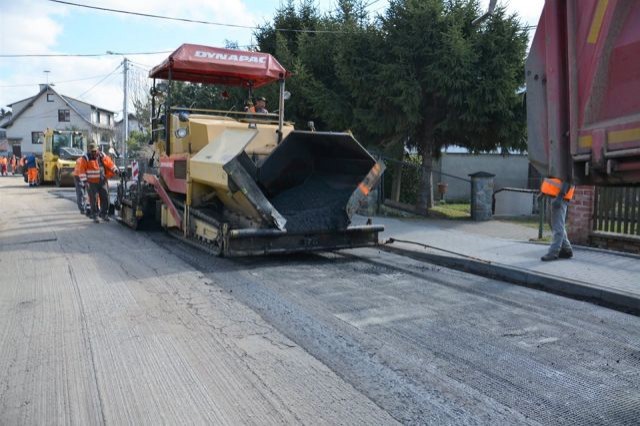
(93, 146)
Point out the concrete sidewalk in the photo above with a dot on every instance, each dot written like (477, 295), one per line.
(503, 248)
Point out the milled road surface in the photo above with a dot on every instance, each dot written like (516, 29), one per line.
(103, 325)
(100, 325)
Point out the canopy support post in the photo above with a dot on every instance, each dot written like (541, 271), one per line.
(167, 116)
(281, 110)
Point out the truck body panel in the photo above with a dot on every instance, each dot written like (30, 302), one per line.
(583, 87)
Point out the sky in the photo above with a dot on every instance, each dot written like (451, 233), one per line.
(45, 27)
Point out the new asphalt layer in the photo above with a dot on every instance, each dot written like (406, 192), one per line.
(503, 250)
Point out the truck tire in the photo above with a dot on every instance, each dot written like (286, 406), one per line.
(58, 178)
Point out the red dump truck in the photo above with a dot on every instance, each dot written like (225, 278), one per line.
(583, 92)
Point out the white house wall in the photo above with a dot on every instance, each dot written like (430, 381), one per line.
(134, 126)
(89, 113)
(43, 114)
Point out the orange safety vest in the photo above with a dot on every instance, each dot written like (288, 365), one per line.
(93, 170)
(76, 169)
(552, 187)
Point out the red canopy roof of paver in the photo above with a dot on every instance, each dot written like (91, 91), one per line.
(214, 65)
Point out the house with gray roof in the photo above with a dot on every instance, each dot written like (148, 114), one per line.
(50, 109)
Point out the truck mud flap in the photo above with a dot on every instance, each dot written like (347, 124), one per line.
(255, 242)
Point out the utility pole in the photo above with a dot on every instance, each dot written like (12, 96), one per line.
(125, 112)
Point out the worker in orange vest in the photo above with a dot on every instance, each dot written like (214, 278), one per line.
(80, 192)
(32, 169)
(561, 193)
(14, 165)
(94, 170)
(3, 165)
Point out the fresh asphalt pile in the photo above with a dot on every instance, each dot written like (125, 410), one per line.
(313, 206)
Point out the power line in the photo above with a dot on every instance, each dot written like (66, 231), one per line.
(80, 55)
(57, 82)
(378, 9)
(42, 55)
(149, 15)
(144, 67)
(371, 3)
(99, 82)
(193, 21)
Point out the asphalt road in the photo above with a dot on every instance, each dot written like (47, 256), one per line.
(99, 324)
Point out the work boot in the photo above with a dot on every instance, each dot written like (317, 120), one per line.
(95, 219)
(105, 218)
(565, 254)
(549, 257)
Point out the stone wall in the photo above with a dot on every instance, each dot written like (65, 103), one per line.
(510, 171)
(513, 203)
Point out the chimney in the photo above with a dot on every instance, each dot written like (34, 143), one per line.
(43, 87)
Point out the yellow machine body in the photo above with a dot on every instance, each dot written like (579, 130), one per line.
(245, 183)
(53, 168)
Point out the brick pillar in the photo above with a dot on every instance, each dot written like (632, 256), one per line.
(580, 215)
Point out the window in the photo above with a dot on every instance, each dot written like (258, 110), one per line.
(37, 138)
(64, 115)
(98, 116)
(60, 140)
(50, 97)
(77, 141)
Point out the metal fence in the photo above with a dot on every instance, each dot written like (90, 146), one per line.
(617, 210)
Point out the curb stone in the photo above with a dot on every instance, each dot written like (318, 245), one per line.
(614, 299)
